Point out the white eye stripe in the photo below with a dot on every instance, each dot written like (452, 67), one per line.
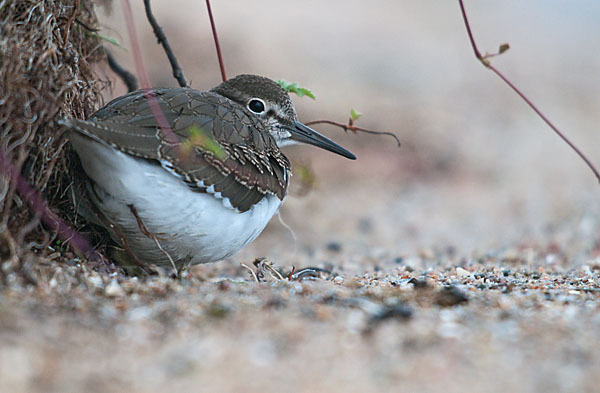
(256, 105)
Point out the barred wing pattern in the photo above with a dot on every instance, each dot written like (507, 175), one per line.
(251, 167)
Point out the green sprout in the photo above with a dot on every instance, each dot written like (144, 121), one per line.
(292, 87)
(108, 39)
(201, 139)
(354, 114)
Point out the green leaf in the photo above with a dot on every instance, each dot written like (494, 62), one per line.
(292, 87)
(355, 114)
(305, 92)
(201, 139)
(108, 39)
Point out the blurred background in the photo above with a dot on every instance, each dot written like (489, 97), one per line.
(477, 172)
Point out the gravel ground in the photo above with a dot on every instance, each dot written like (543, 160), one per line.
(468, 260)
(524, 318)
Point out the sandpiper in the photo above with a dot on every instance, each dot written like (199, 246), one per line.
(201, 190)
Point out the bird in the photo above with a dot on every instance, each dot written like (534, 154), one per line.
(198, 185)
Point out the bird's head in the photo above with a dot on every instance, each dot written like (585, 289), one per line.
(267, 100)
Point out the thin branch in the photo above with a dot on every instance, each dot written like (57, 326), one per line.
(70, 21)
(28, 228)
(88, 28)
(485, 61)
(308, 272)
(217, 45)
(145, 81)
(268, 266)
(289, 277)
(470, 33)
(251, 271)
(162, 39)
(127, 77)
(39, 206)
(150, 235)
(353, 128)
(117, 231)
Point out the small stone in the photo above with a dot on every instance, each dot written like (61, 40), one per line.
(450, 296)
(113, 289)
(218, 310)
(426, 253)
(224, 285)
(511, 255)
(395, 311)
(95, 280)
(419, 284)
(334, 247)
(338, 280)
(585, 269)
(460, 272)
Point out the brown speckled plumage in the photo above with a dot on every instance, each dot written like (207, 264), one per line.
(199, 188)
(253, 166)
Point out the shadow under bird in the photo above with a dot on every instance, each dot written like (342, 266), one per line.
(201, 191)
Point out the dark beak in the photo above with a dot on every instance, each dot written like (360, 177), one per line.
(304, 134)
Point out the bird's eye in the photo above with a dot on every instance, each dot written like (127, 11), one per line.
(257, 106)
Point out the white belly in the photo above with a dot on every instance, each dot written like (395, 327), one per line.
(191, 227)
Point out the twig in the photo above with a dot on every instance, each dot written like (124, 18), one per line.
(124, 243)
(217, 45)
(41, 185)
(308, 272)
(162, 39)
(145, 81)
(5, 156)
(6, 235)
(251, 271)
(38, 205)
(485, 61)
(127, 77)
(268, 266)
(289, 277)
(263, 265)
(88, 28)
(150, 235)
(70, 21)
(28, 228)
(587, 289)
(353, 128)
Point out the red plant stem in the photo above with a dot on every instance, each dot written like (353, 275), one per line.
(353, 128)
(214, 31)
(39, 206)
(548, 122)
(144, 80)
(485, 61)
(468, 26)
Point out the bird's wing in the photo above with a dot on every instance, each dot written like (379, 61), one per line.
(213, 144)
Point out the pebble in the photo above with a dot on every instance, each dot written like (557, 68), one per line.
(338, 280)
(113, 289)
(460, 272)
(334, 247)
(95, 280)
